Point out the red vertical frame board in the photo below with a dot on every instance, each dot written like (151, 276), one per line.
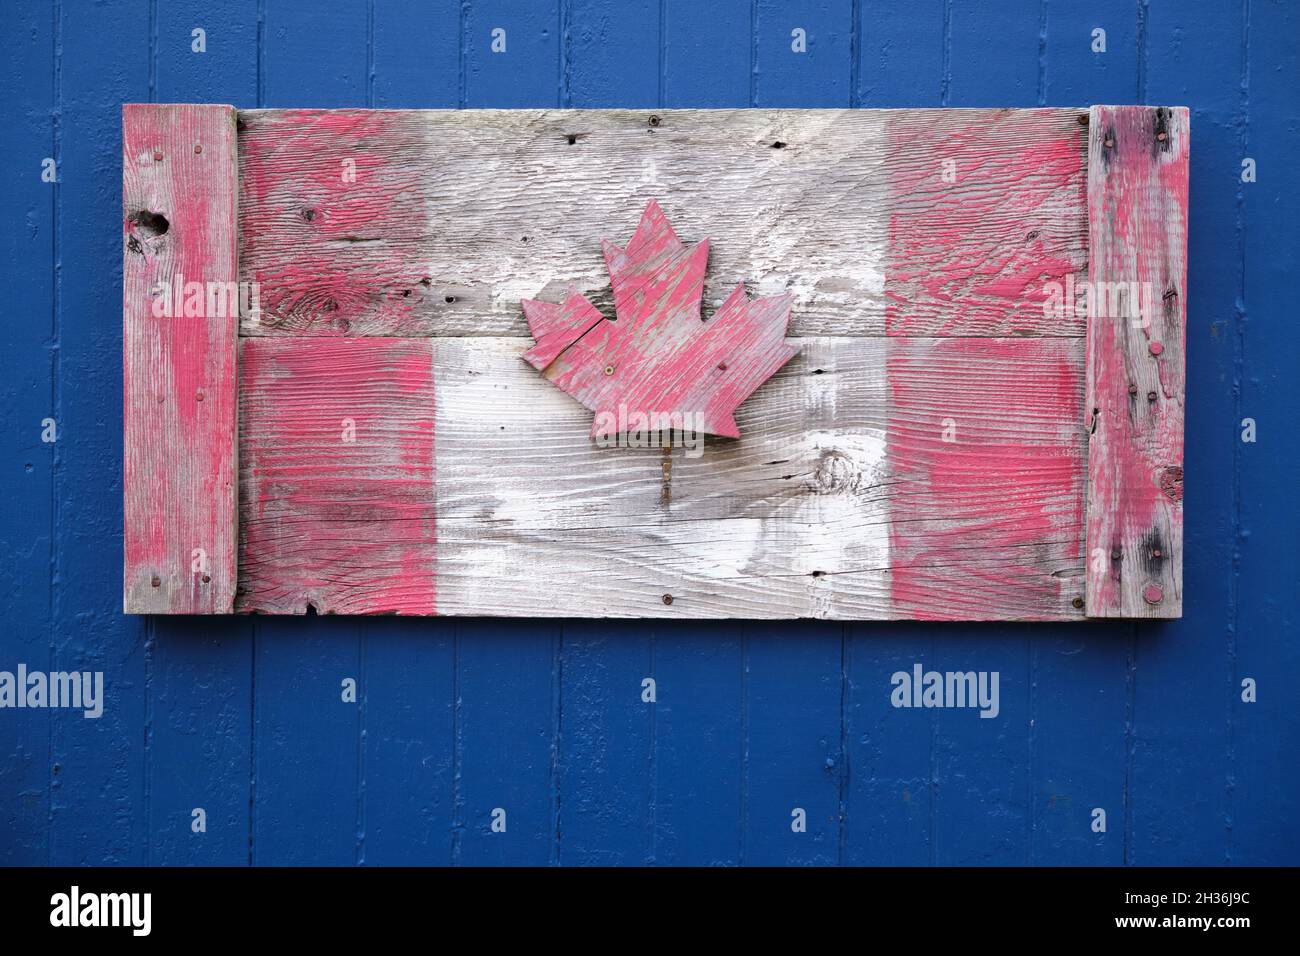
(180, 316)
(1137, 318)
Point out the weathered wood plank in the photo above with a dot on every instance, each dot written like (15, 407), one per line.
(1137, 200)
(820, 509)
(987, 456)
(337, 476)
(923, 222)
(179, 328)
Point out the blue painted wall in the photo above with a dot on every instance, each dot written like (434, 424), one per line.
(243, 717)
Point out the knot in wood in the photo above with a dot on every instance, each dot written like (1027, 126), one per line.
(835, 472)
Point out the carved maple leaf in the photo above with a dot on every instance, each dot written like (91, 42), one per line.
(659, 357)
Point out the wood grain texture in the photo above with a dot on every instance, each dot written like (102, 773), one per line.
(337, 476)
(439, 222)
(797, 518)
(178, 358)
(986, 516)
(1137, 199)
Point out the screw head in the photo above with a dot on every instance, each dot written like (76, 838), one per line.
(655, 120)
(1077, 604)
(1153, 594)
(609, 370)
(668, 599)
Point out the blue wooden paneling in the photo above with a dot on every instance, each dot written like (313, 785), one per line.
(546, 721)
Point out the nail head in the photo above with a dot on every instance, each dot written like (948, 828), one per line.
(1153, 594)
(1155, 348)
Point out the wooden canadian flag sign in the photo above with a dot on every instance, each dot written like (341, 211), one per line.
(926, 364)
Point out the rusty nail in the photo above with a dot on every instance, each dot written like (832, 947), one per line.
(1077, 603)
(1162, 136)
(655, 121)
(1151, 396)
(199, 395)
(722, 366)
(1155, 552)
(207, 578)
(157, 581)
(1132, 389)
(157, 157)
(1083, 119)
(668, 599)
(1110, 143)
(198, 147)
(609, 370)
(1152, 594)
(1155, 348)
(1114, 554)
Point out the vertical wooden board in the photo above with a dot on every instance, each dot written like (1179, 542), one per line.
(993, 55)
(1074, 73)
(408, 770)
(199, 697)
(27, 257)
(512, 54)
(698, 736)
(178, 210)
(1137, 208)
(1265, 797)
(337, 476)
(802, 55)
(97, 767)
(306, 745)
(408, 721)
(889, 800)
(793, 758)
(982, 784)
(1077, 755)
(986, 452)
(900, 53)
(706, 53)
(507, 688)
(613, 54)
(607, 774)
(1179, 785)
(415, 53)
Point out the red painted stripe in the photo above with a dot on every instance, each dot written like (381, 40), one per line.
(346, 526)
